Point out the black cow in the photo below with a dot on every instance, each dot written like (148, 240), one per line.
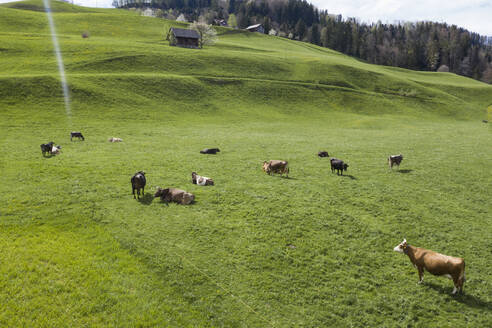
(76, 135)
(395, 160)
(339, 165)
(138, 182)
(323, 154)
(212, 151)
(47, 148)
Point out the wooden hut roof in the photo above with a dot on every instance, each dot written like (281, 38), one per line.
(182, 33)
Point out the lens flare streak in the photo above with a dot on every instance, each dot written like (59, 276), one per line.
(59, 59)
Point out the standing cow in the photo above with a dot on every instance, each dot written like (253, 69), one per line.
(276, 166)
(76, 135)
(138, 182)
(395, 160)
(47, 148)
(435, 263)
(339, 165)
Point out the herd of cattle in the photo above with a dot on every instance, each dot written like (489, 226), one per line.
(422, 259)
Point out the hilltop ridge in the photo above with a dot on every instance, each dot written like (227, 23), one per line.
(243, 61)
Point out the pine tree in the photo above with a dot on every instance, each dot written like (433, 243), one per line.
(300, 29)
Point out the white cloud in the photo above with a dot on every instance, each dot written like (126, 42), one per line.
(94, 3)
(475, 15)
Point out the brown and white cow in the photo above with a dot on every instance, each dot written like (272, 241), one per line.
(175, 195)
(201, 181)
(113, 139)
(435, 263)
(276, 166)
(395, 160)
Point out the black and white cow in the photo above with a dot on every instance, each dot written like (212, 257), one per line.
(395, 160)
(212, 151)
(138, 182)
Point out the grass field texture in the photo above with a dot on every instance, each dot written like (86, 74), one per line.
(311, 250)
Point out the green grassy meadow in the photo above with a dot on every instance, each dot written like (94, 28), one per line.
(311, 250)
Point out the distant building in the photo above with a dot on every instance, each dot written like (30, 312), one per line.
(149, 12)
(256, 28)
(220, 22)
(183, 38)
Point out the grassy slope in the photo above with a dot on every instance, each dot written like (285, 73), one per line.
(86, 254)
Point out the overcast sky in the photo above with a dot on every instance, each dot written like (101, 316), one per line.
(474, 15)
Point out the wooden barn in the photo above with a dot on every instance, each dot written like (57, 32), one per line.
(256, 28)
(183, 38)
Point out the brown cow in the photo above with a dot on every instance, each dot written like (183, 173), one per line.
(435, 263)
(276, 166)
(175, 195)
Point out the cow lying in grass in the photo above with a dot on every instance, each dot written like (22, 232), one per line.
(76, 135)
(435, 263)
(138, 182)
(276, 166)
(113, 139)
(55, 150)
(175, 195)
(201, 181)
(212, 151)
(395, 160)
(339, 165)
(323, 154)
(47, 148)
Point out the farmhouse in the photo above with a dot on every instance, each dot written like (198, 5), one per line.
(183, 38)
(256, 28)
(220, 22)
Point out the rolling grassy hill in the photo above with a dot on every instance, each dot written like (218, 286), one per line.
(255, 251)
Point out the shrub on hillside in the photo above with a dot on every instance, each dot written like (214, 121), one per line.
(443, 68)
(208, 35)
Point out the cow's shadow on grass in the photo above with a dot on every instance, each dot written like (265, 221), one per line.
(465, 298)
(351, 177)
(146, 199)
(405, 171)
(283, 177)
(167, 203)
